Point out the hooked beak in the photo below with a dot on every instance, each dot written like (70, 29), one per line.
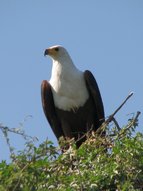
(46, 52)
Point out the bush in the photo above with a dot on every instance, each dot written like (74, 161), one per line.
(111, 163)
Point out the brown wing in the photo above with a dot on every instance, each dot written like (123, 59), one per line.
(95, 94)
(49, 109)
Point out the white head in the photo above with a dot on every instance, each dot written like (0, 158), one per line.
(57, 53)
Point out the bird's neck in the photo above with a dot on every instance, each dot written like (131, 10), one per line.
(63, 68)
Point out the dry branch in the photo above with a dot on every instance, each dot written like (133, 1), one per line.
(111, 117)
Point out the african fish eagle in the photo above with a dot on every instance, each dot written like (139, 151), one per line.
(71, 99)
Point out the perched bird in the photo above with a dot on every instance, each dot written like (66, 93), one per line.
(71, 99)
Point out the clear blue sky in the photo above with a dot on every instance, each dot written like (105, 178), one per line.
(105, 37)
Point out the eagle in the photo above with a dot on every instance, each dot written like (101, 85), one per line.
(71, 99)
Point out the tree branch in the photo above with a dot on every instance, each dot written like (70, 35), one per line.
(131, 124)
(111, 117)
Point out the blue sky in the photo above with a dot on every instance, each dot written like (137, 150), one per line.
(105, 37)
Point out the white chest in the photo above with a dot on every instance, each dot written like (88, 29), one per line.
(69, 89)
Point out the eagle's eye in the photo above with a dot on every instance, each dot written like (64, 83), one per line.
(57, 49)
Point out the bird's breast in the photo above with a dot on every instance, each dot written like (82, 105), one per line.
(70, 93)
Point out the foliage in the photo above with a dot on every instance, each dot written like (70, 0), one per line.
(111, 163)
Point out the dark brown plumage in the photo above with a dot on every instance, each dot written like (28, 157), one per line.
(74, 123)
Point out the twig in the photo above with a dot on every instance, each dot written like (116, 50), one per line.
(132, 123)
(116, 123)
(136, 117)
(112, 115)
(17, 131)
